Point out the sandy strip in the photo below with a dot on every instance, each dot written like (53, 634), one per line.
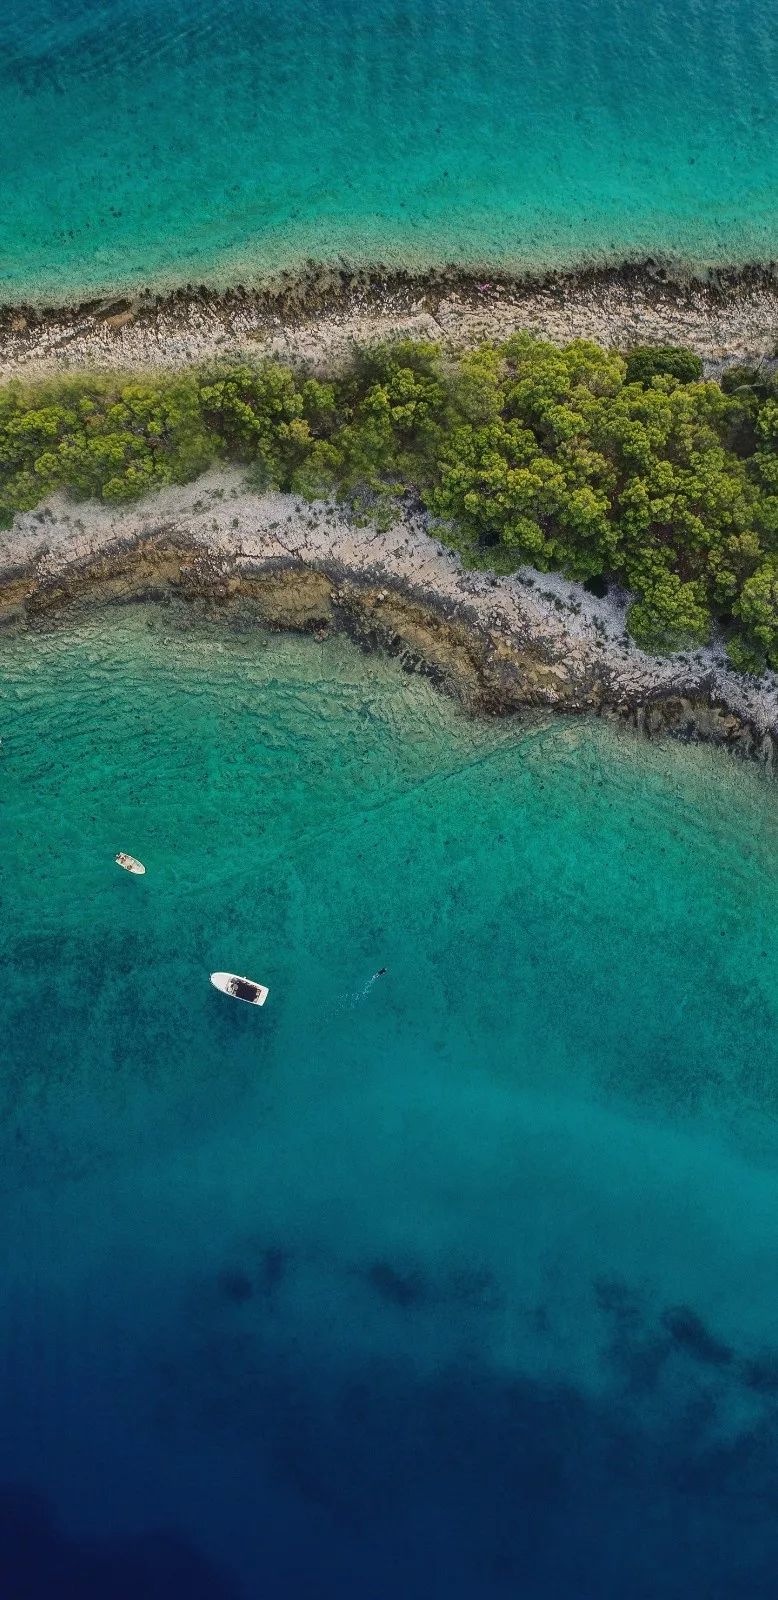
(319, 321)
(526, 639)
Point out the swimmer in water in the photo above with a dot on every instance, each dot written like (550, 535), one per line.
(362, 994)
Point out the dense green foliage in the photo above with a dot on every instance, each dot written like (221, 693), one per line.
(581, 460)
(663, 360)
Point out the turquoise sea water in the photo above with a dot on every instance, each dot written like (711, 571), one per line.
(149, 141)
(461, 1282)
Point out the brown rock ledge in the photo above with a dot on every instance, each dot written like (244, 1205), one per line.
(493, 659)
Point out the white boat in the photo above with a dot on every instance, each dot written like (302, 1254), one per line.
(240, 988)
(129, 862)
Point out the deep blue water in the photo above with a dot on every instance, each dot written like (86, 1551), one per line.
(150, 141)
(458, 1283)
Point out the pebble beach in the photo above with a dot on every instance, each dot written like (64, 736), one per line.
(498, 643)
(320, 318)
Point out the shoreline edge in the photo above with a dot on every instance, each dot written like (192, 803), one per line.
(318, 317)
(499, 645)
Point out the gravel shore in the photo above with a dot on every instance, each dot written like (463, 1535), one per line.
(499, 644)
(319, 319)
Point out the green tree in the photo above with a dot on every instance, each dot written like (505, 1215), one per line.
(757, 609)
(256, 413)
(650, 361)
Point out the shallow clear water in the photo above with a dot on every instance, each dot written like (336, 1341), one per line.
(213, 139)
(462, 1282)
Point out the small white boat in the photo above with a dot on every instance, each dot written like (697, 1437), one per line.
(129, 862)
(240, 988)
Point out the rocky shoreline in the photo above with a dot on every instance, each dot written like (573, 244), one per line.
(318, 317)
(499, 645)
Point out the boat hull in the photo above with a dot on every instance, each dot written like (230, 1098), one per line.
(254, 994)
(129, 863)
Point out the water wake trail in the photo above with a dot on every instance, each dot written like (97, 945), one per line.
(362, 994)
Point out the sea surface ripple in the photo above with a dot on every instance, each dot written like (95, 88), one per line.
(459, 1282)
(167, 141)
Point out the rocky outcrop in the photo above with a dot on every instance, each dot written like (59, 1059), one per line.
(489, 667)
